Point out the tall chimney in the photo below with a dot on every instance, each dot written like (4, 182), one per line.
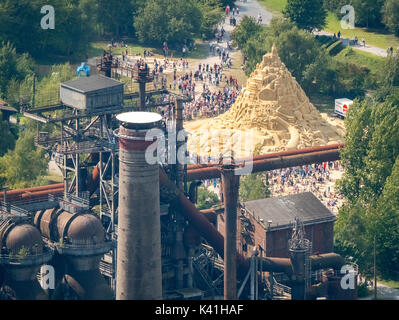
(139, 267)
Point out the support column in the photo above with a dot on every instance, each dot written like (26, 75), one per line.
(142, 94)
(179, 144)
(230, 185)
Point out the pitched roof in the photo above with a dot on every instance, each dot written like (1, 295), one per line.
(283, 210)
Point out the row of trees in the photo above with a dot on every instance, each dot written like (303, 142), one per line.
(370, 185)
(315, 70)
(21, 163)
(79, 21)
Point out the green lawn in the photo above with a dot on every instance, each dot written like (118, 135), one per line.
(361, 59)
(377, 38)
(200, 50)
(390, 283)
(274, 6)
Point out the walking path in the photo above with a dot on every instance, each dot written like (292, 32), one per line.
(347, 42)
(383, 293)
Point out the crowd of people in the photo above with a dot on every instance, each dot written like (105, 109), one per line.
(317, 178)
(210, 104)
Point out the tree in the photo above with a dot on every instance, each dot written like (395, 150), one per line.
(22, 166)
(173, 21)
(8, 137)
(252, 187)
(20, 24)
(335, 6)
(307, 14)
(246, 29)
(12, 67)
(368, 12)
(211, 15)
(369, 184)
(386, 217)
(390, 15)
(115, 16)
(206, 199)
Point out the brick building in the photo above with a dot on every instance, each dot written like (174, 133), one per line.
(267, 224)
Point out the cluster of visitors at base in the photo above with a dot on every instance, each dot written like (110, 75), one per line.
(210, 104)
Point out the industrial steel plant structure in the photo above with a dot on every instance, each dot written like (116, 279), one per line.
(147, 240)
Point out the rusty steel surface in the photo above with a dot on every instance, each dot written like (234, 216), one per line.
(274, 155)
(201, 172)
(24, 236)
(270, 164)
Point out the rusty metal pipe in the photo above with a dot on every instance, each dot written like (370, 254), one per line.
(184, 206)
(17, 192)
(274, 155)
(201, 172)
(41, 193)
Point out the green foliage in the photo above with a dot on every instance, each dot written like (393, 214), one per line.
(173, 21)
(206, 199)
(115, 16)
(22, 253)
(368, 12)
(390, 12)
(8, 136)
(246, 29)
(391, 70)
(252, 187)
(20, 24)
(212, 14)
(336, 48)
(307, 14)
(335, 6)
(370, 185)
(13, 67)
(22, 166)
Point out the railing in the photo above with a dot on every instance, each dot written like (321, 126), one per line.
(28, 200)
(106, 269)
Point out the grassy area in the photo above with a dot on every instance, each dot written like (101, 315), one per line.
(362, 59)
(274, 6)
(235, 71)
(390, 283)
(377, 38)
(200, 50)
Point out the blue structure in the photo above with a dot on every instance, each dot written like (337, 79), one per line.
(83, 68)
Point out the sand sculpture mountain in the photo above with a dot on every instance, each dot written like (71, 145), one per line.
(276, 109)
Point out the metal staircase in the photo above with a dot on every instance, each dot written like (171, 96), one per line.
(203, 264)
